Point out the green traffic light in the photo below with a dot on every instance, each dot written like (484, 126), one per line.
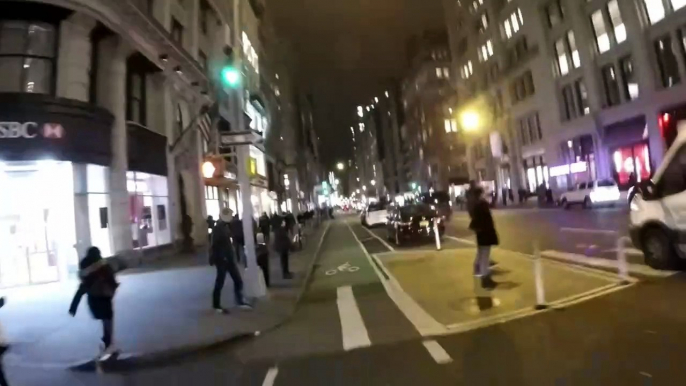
(231, 76)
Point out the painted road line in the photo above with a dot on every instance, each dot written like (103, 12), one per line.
(437, 352)
(576, 258)
(424, 323)
(352, 326)
(270, 378)
(466, 241)
(590, 231)
(384, 242)
(628, 251)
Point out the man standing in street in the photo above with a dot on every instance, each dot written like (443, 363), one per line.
(282, 245)
(486, 237)
(264, 225)
(222, 257)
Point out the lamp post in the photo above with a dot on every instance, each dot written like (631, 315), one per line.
(340, 166)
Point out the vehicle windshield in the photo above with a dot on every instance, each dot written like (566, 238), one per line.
(606, 183)
(376, 207)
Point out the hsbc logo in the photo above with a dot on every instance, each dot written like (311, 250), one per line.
(29, 130)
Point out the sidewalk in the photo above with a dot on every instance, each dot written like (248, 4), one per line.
(159, 314)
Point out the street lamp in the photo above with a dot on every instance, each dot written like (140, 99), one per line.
(470, 120)
(357, 191)
(340, 166)
(373, 182)
(364, 187)
(208, 169)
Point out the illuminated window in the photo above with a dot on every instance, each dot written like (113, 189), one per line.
(512, 24)
(250, 53)
(676, 4)
(601, 35)
(562, 60)
(655, 10)
(485, 51)
(616, 19)
(576, 59)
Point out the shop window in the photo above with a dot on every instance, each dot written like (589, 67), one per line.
(630, 83)
(147, 191)
(631, 164)
(667, 62)
(611, 85)
(27, 57)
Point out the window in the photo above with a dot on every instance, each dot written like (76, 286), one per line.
(666, 60)
(150, 4)
(483, 22)
(611, 85)
(439, 72)
(616, 19)
(485, 51)
(467, 70)
(576, 59)
(522, 87)
(677, 4)
(569, 110)
(534, 128)
(27, 57)
(202, 59)
(446, 72)
(250, 53)
(561, 53)
(554, 13)
(655, 10)
(135, 98)
(524, 131)
(179, 121)
(630, 86)
(177, 31)
(601, 35)
(450, 125)
(204, 16)
(582, 97)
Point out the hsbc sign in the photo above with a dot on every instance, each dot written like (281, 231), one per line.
(29, 130)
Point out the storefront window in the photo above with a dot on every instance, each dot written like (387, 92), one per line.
(27, 56)
(258, 156)
(631, 164)
(148, 208)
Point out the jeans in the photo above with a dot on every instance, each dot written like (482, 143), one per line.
(284, 263)
(481, 262)
(107, 330)
(222, 269)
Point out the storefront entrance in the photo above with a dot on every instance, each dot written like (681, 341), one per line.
(36, 222)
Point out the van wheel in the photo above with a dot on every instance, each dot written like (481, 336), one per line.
(587, 203)
(565, 204)
(657, 249)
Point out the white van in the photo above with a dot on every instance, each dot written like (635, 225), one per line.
(658, 210)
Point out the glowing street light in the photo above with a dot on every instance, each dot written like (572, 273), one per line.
(373, 182)
(357, 191)
(470, 120)
(340, 166)
(208, 169)
(364, 187)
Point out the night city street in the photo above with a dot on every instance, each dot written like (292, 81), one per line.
(316, 192)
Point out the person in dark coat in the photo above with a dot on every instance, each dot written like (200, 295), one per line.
(99, 283)
(264, 225)
(282, 244)
(486, 237)
(236, 229)
(262, 254)
(471, 196)
(210, 226)
(290, 222)
(222, 257)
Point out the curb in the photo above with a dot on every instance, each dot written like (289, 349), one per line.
(131, 362)
(636, 270)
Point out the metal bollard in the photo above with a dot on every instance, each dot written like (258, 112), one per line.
(538, 279)
(622, 267)
(438, 236)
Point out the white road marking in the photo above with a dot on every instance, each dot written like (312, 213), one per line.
(466, 241)
(589, 231)
(647, 375)
(387, 245)
(270, 378)
(628, 251)
(437, 352)
(425, 324)
(576, 258)
(352, 326)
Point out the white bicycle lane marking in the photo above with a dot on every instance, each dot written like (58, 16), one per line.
(343, 268)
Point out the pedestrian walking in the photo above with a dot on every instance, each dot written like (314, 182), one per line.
(264, 225)
(210, 226)
(486, 237)
(99, 283)
(4, 346)
(262, 254)
(282, 244)
(222, 258)
(236, 229)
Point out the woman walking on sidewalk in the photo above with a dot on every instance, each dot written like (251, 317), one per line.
(486, 237)
(99, 283)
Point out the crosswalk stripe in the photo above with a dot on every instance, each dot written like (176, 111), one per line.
(352, 325)
(270, 378)
(437, 352)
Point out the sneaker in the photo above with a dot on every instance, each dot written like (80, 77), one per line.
(245, 306)
(487, 283)
(108, 352)
(222, 311)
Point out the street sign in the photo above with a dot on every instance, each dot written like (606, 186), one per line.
(241, 138)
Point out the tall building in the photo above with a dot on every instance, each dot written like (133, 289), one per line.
(559, 92)
(104, 127)
(436, 149)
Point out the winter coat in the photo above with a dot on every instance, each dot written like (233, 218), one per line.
(282, 240)
(482, 224)
(236, 227)
(221, 249)
(472, 198)
(264, 224)
(98, 282)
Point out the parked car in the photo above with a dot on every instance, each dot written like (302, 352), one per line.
(440, 201)
(413, 222)
(658, 211)
(374, 214)
(590, 194)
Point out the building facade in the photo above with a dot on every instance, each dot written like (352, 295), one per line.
(436, 149)
(561, 92)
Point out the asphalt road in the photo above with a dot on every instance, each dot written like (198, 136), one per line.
(350, 329)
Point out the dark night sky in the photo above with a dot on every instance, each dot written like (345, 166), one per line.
(346, 49)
